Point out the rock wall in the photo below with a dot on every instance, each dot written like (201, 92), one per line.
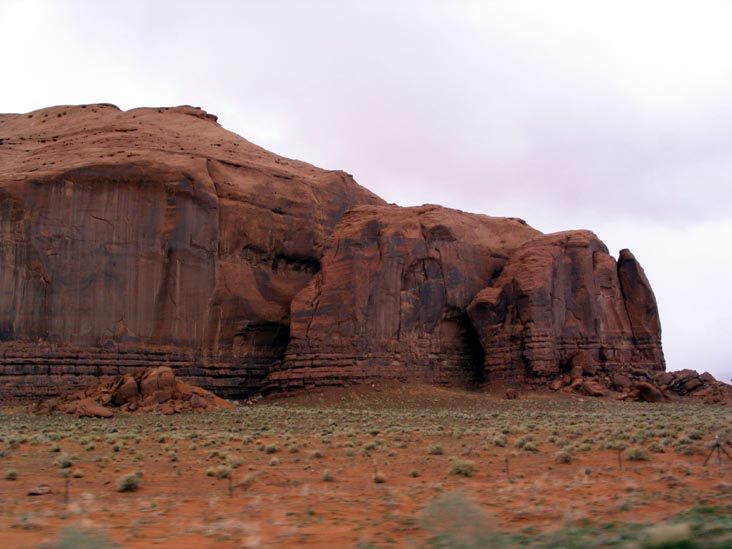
(154, 237)
(152, 233)
(563, 306)
(390, 300)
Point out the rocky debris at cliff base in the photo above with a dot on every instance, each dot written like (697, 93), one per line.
(150, 390)
(690, 383)
(643, 385)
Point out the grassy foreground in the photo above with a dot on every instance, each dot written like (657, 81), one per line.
(399, 466)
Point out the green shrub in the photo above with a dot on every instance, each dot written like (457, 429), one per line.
(563, 456)
(222, 471)
(636, 454)
(531, 447)
(462, 467)
(64, 461)
(129, 482)
(656, 448)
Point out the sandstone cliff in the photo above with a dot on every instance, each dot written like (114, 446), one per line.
(148, 237)
(562, 303)
(390, 300)
(154, 237)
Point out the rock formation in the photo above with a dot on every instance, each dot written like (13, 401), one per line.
(152, 389)
(149, 237)
(563, 307)
(154, 237)
(390, 299)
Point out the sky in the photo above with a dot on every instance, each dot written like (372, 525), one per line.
(614, 116)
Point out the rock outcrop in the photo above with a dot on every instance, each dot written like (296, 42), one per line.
(390, 299)
(155, 238)
(564, 308)
(152, 237)
(394, 300)
(150, 390)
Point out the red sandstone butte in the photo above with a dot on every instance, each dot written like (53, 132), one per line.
(154, 237)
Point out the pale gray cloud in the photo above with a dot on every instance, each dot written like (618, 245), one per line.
(609, 115)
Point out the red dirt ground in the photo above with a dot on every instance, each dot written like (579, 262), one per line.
(351, 433)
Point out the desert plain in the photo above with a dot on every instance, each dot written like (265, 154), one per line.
(389, 465)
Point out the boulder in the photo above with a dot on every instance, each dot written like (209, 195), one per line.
(690, 385)
(89, 408)
(592, 388)
(157, 385)
(648, 392)
(703, 387)
(706, 377)
(557, 384)
(40, 490)
(126, 391)
(663, 378)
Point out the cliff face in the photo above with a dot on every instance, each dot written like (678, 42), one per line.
(563, 303)
(390, 300)
(129, 239)
(155, 237)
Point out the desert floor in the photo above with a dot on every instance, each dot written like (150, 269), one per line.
(385, 466)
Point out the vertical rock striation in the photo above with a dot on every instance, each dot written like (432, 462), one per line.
(390, 300)
(563, 306)
(152, 237)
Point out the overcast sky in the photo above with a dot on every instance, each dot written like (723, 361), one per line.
(610, 115)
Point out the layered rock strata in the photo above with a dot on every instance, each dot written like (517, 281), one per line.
(564, 308)
(148, 237)
(394, 301)
(390, 300)
(155, 238)
(149, 390)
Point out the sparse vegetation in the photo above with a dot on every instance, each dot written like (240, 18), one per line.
(462, 467)
(509, 456)
(636, 454)
(129, 482)
(78, 537)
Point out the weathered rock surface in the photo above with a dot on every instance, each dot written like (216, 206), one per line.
(664, 386)
(151, 237)
(154, 238)
(390, 299)
(155, 389)
(563, 307)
